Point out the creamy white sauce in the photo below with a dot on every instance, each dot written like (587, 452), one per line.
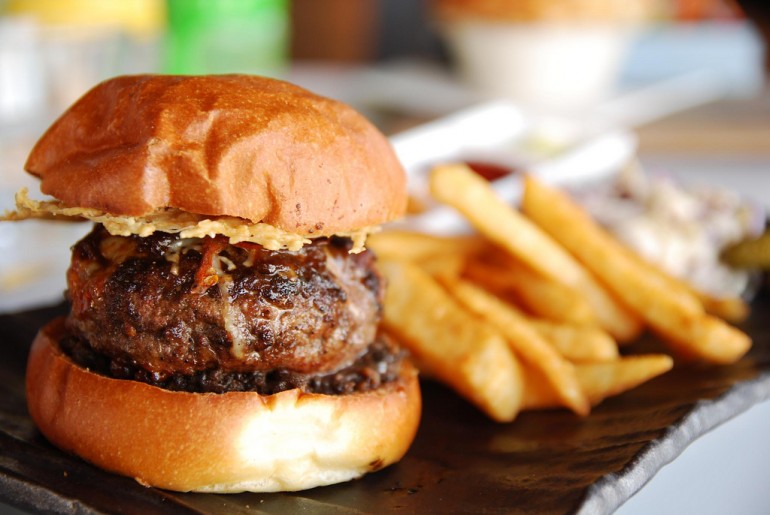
(682, 229)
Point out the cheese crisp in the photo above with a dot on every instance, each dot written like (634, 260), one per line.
(187, 225)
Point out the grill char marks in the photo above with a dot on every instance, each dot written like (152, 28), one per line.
(148, 303)
(380, 364)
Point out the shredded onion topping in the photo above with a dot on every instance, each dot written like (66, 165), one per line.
(187, 225)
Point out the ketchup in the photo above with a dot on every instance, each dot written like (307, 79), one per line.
(489, 171)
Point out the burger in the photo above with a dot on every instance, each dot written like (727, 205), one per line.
(223, 332)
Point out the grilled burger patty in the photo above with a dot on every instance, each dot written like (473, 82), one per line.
(380, 364)
(203, 314)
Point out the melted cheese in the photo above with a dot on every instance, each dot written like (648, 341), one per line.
(187, 225)
(235, 321)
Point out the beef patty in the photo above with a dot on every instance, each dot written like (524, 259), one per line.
(171, 307)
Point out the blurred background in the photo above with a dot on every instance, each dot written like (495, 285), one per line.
(599, 64)
(424, 57)
(574, 69)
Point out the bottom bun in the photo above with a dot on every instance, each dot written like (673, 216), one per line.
(232, 442)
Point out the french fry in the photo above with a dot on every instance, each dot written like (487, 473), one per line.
(458, 350)
(597, 380)
(602, 380)
(540, 296)
(526, 342)
(584, 289)
(732, 309)
(415, 246)
(459, 187)
(671, 311)
(578, 344)
(443, 266)
(560, 316)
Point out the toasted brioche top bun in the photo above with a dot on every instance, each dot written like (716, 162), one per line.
(551, 11)
(241, 146)
(231, 442)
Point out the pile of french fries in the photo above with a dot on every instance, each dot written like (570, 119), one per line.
(530, 312)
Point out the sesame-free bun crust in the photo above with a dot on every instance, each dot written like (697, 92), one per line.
(231, 442)
(236, 145)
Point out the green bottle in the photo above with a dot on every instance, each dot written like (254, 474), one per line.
(227, 36)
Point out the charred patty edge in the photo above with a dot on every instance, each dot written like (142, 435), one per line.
(380, 364)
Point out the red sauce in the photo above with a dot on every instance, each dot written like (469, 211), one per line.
(489, 171)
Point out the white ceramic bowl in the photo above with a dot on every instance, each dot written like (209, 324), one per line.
(552, 66)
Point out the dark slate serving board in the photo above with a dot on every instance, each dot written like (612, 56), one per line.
(544, 462)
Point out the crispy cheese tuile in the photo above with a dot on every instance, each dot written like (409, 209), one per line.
(187, 225)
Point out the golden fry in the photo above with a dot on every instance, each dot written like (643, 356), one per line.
(540, 296)
(560, 315)
(459, 187)
(732, 309)
(415, 246)
(579, 344)
(597, 380)
(462, 189)
(602, 380)
(456, 348)
(443, 266)
(672, 311)
(526, 342)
